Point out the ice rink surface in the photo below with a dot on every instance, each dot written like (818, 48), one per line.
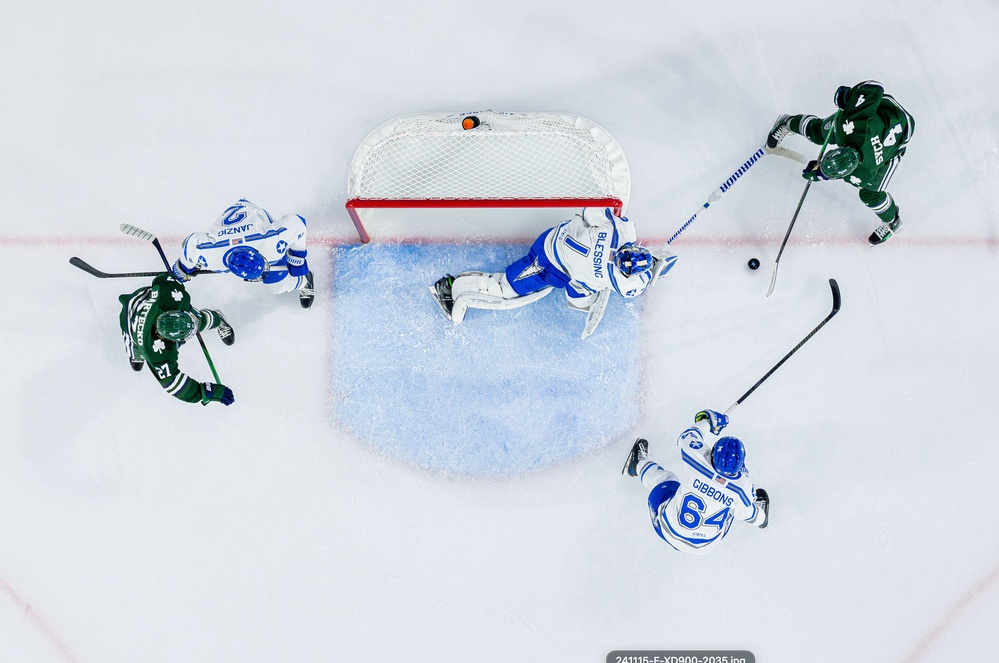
(139, 528)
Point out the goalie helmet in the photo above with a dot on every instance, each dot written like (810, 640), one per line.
(176, 326)
(245, 262)
(632, 259)
(728, 456)
(840, 162)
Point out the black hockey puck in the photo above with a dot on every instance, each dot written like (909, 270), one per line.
(469, 122)
(754, 263)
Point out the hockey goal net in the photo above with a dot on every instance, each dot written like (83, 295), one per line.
(509, 160)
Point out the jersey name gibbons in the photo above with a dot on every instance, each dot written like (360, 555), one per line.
(598, 255)
(707, 489)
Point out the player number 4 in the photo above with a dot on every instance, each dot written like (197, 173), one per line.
(692, 513)
(892, 138)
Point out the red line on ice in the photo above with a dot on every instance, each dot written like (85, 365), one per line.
(43, 626)
(757, 242)
(956, 611)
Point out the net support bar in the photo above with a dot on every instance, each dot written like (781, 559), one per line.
(355, 204)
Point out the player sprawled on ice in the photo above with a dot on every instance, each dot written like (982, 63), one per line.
(587, 256)
(695, 498)
(871, 133)
(247, 242)
(155, 321)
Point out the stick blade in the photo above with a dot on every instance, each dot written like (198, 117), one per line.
(131, 230)
(773, 281)
(837, 299)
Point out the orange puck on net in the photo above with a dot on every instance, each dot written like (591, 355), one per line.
(469, 122)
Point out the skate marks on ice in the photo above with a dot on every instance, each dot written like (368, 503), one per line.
(503, 393)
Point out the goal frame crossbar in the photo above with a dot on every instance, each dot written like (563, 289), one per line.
(355, 204)
(593, 145)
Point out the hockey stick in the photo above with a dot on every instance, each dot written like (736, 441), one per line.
(149, 237)
(773, 279)
(90, 269)
(835, 309)
(717, 194)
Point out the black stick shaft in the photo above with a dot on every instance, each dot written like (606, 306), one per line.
(93, 271)
(835, 309)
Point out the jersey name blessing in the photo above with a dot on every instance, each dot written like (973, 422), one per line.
(598, 255)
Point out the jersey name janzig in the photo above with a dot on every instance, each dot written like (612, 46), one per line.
(713, 493)
(234, 231)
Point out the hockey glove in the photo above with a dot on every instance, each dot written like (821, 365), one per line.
(813, 172)
(180, 272)
(716, 420)
(216, 392)
(841, 95)
(297, 265)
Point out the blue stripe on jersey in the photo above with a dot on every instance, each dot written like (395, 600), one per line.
(270, 233)
(576, 246)
(212, 245)
(610, 275)
(740, 492)
(558, 259)
(613, 221)
(693, 462)
(694, 542)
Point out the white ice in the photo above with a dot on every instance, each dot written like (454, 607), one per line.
(137, 528)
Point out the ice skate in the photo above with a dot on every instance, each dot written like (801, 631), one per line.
(307, 293)
(885, 231)
(639, 452)
(225, 330)
(779, 132)
(441, 290)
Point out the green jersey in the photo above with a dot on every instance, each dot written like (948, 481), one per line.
(139, 311)
(875, 125)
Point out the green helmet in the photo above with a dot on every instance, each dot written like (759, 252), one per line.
(840, 162)
(176, 325)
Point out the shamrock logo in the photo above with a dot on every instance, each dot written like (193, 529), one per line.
(848, 128)
(177, 295)
(854, 179)
(159, 345)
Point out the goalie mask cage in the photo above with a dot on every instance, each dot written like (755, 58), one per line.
(510, 160)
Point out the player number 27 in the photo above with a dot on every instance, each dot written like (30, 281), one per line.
(692, 513)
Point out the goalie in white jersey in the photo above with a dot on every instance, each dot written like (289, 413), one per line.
(695, 499)
(247, 242)
(589, 255)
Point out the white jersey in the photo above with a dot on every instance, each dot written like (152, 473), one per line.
(583, 247)
(706, 504)
(248, 224)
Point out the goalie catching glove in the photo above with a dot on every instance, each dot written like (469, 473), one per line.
(716, 420)
(216, 392)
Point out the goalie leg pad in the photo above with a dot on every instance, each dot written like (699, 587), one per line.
(488, 291)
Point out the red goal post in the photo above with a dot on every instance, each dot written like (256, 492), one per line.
(509, 160)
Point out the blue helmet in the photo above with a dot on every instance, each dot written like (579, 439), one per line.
(728, 456)
(632, 259)
(245, 262)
